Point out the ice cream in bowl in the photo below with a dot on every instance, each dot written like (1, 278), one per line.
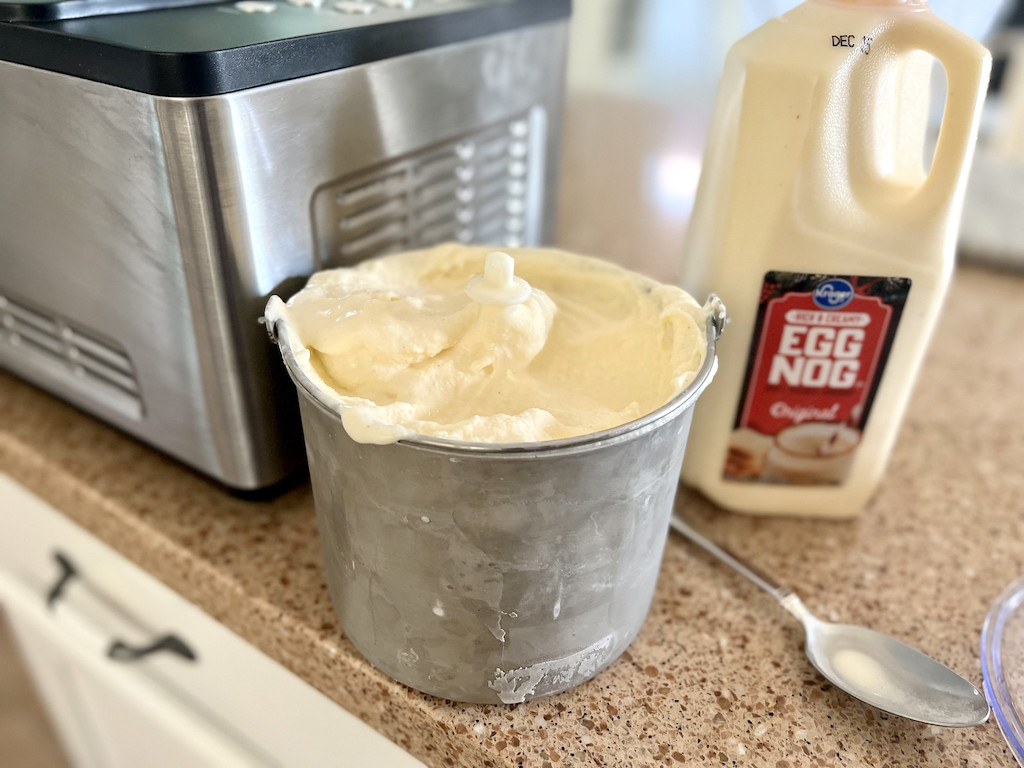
(494, 441)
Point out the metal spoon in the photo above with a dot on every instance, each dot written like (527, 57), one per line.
(870, 666)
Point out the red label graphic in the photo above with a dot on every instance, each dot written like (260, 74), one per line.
(816, 359)
(814, 364)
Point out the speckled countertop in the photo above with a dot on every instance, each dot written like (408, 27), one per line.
(717, 675)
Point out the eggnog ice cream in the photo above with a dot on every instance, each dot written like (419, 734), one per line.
(449, 343)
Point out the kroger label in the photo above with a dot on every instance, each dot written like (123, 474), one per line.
(816, 359)
(833, 294)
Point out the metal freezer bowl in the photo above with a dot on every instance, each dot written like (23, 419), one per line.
(489, 573)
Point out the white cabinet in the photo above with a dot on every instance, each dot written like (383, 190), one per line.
(72, 602)
(110, 717)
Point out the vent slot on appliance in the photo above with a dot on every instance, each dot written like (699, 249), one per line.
(475, 188)
(67, 355)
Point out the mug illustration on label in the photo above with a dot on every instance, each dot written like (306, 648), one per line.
(819, 348)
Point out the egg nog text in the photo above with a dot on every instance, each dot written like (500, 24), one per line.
(818, 352)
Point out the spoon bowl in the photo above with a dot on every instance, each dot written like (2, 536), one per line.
(891, 675)
(875, 668)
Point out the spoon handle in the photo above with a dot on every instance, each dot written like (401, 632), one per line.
(784, 595)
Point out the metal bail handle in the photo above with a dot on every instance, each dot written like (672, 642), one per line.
(717, 316)
(271, 328)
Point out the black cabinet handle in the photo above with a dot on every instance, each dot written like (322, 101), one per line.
(120, 651)
(67, 573)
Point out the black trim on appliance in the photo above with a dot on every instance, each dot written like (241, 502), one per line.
(99, 49)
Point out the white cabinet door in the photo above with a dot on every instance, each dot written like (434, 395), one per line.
(108, 716)
(230, 705)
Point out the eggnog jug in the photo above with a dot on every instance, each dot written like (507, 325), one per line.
(830, 243)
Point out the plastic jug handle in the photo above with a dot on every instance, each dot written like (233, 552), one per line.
(967, 64)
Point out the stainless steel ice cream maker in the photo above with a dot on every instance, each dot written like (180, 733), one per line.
(166, 165)
(495, 573)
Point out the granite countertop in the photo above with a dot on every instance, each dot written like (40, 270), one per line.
(717, 675)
